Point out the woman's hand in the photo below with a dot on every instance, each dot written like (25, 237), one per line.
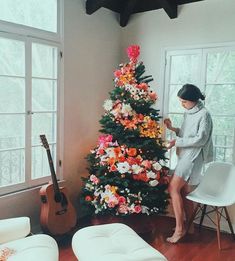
(168, 123)
(171, 144)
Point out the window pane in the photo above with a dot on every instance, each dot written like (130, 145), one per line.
(44, 61)
(223, 126)
(12, 128)
(44, 95)
(184, 69)
(12, 153)
(12, 94)
(43, 123)
(221, 67)
(12, 57)
(34, 13)
(174, 103)
(40, 165)
(223, 137)
(220, 99)
(12, 167)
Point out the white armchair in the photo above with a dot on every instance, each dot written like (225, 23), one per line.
(17, 247)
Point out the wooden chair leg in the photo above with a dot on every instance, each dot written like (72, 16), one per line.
(229, 222)
(202, 216)
(218, 226)
(192, 217)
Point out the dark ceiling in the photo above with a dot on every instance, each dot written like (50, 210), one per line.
(128, 7)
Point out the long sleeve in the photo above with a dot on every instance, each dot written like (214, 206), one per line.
(201, 137)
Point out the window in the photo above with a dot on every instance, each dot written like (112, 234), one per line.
(213, 71)
(29, 94)
(33, 13)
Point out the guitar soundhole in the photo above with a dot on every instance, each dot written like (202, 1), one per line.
(61, 212)
(61, 198)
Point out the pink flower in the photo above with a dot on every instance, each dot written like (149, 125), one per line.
(117, 73)
(133, 51)
(94, 179)
(137, 209)
(105, 139)
(153, 95)
(123, 209)
(146, 163)
(111, 204)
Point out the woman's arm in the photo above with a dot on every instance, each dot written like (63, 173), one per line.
(200, 139)
(169, 126)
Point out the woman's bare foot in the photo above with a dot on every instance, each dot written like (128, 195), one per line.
(176, 237)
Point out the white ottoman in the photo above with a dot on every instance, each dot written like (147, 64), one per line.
(13, 240)
(116, 242)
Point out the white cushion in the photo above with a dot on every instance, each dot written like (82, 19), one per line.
(116, 242)
(14, 228)
(33, 248)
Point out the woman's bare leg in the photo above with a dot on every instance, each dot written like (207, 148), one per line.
(175, 186)
(188, 205)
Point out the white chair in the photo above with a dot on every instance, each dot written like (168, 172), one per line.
(216, 190)
(18, 246)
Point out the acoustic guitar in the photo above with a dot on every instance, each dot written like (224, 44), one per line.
(58, 215)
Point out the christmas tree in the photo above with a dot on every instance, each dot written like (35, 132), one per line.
(127, 168)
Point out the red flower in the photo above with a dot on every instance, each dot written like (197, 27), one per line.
(131, 152)
(121, 200)
(88, 198)
(137, 209)
(113, 168)
(133, 51)
(142, 86)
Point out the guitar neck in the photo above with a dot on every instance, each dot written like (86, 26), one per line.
(53, 175)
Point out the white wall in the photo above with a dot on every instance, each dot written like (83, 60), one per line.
(200, 23)
(91, 53)
(209, 21)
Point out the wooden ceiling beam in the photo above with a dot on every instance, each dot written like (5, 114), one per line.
(127, 12)
(170, 7)
(93, 5)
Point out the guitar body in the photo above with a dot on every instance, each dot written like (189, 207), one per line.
(57, 218)
(58, 215)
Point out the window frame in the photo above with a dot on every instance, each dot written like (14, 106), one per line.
(29, 36)
(203, 51)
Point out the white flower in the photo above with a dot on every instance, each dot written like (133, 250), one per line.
(145, 210)
(110, 152)
(157, 166)
(126, 109)
(123, 167)
(151, 175)
(128, 87)
(108, 105)
(153, 183)
(136, 169)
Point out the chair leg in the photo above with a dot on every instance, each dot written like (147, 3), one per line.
(192, 217)
(202, 216)
(229, 222)
(218, 226)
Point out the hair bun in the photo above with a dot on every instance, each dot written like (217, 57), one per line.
(202, 97)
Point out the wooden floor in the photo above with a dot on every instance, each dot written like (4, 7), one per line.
(201, 246)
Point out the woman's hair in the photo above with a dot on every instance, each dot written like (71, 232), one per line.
(190, 92)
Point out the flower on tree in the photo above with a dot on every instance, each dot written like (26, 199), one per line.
(127, 167)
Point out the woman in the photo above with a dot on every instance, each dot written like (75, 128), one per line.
(194, 147)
